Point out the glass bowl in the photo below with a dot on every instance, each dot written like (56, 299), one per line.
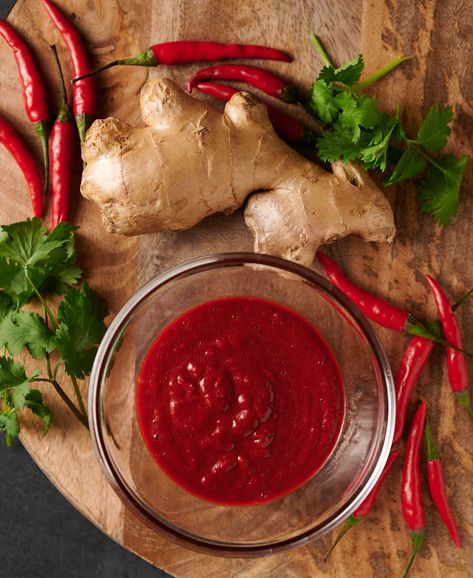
(307, 513)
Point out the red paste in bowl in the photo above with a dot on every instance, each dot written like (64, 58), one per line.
(240, 400)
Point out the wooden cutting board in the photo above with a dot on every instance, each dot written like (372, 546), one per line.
(438, 33)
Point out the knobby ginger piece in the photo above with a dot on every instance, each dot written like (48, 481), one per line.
(191, 161)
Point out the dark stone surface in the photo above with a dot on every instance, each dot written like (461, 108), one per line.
(41, 534)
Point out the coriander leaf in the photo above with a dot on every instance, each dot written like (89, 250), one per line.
(34, 402)
(410, 165)
(338, 144)
(18, 395)
(12, 374)
(25, 329)
(30, 256)
(434, 131)
(9, 424)
(322, 102)
(80, 330)
(6, 305)
(359, 113)
(440, 189)
(375, 155)
(347, 74)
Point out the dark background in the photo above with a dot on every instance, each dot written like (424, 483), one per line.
(41, 534)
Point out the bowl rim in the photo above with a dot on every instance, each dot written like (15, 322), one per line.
(113, 476)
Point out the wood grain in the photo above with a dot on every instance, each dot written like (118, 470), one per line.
(438, 34)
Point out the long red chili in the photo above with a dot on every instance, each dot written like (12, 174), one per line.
(34, 93)
(437, 486)
(187, 51)
(83, 96)
(364, 509)
(376, 309)
(456, 363)
(412, 506)
(268, 82)
(413, 362)
(26, 161)
(286, 127)
(62, 147)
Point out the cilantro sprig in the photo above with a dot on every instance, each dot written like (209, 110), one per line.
(33, 265)
(357, 130)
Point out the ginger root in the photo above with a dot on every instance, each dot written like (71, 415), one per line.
(191, 161)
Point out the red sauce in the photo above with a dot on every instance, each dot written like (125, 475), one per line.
(240, 400)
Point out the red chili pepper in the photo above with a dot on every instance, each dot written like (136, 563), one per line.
(268, 82)
(62, 147)
(83, 100)
(286, 127)
(364, 509)
(34, 93)
(437, 486)
(26, 161)
(188, 51)
(456, 363)
(376, 309)
(412, 363)
(412, 506)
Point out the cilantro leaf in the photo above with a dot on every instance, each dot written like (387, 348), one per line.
(6, 305)
(338, 144)
(9, 425)
(322, 102)
(434, 131)
(34, 402)
(358, 113)
(25, 329)
(410, 165)
(347, 74)
(30, 256)
(80, 330)
(18, 395)
(375, 154)
(12, 374)
(440, 189)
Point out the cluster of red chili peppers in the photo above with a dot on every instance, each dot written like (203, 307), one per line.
(58, 147)
(413, 361)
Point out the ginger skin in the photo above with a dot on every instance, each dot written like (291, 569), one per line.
(191, 161)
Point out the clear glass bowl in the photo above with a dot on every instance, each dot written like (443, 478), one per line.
(323, 502)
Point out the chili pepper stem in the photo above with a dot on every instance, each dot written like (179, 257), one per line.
(145, 58)
(41, 129)
(348, 525)
(417, 539)
(82, 123)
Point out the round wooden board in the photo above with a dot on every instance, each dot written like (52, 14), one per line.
(438, 33)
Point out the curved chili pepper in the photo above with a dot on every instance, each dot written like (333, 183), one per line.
(34, 93)
(376, 309)
(285, 126)
(188, 51)
(437, 486)
(456, 363)
(26, 161)
(62, 145)
(412, 506)
(364, 509)
(83, 100)
(268, 82)
(412, 363)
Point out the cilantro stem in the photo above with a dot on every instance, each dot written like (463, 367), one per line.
(67, 400)
(79, 396)
(383, 71)
(321, 50)
(47, 310)
(428, 158)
